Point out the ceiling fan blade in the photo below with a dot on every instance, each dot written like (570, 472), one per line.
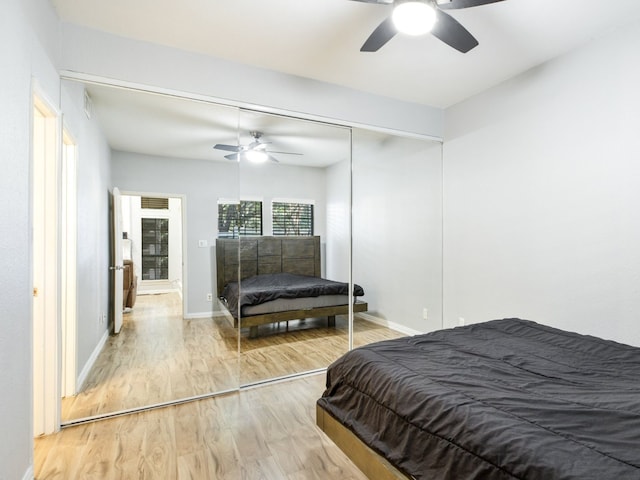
(273, 159)
(233, 156)
(228, 148)
(381, 35)
(455, 4)
(284, 153)
(452, 33)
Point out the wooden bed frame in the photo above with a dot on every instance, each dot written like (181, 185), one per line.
(374, 466)
(251, 256)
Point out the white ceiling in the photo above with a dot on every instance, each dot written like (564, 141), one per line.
(320, 39)
(166, 126)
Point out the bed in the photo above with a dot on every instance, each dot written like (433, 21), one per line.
(280, 280)
(505, 399)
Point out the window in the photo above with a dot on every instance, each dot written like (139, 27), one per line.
(292, 218)
(243, 219)
(155, 249)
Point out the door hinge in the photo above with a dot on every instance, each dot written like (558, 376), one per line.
(35, 291)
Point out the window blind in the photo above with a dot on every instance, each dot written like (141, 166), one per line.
(292, 218)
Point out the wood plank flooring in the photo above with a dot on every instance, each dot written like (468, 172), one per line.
(267, 432)
(158, 356)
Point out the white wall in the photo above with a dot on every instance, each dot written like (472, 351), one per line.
(542, 188)
(203, 183)
(337, 241)
(397, 228)
(93, 258)
(24, 56)
(97, 53)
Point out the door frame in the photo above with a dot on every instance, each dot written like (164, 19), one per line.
(69, 241)
(45, 249)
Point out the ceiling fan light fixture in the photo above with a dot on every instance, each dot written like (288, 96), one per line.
(256, 156)
(414, 18)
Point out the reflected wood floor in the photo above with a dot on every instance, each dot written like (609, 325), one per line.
(158, 356)
(267, 433)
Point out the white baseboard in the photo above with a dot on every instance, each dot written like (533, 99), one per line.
(392, 325)
(28, 475)
(92, 359)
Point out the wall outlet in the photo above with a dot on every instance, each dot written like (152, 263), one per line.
(461, 322)
(425, 313)
(209, 297)
(104, 318)
(202, 243)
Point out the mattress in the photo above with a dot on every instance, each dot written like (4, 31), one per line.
(261, 289)
(504, 399)
(304, 303)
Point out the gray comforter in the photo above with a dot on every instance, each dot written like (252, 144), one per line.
(504, 399)
(264, 288)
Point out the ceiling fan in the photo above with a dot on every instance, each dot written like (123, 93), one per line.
(256, 151)
(418, 17)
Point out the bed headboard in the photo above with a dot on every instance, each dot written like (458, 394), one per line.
(261, 255)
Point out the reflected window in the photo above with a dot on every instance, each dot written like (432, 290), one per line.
(291, 218)
(155, 248)
(239, 219)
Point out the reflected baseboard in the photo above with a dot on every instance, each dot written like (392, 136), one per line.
(392, 325)
(28, 475)
(82, 377)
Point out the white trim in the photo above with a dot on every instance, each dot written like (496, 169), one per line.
(92, 359)
(228, 201)
(303, 201)
(392, 325)
(69, 238)
(29, 475)
(100, 80)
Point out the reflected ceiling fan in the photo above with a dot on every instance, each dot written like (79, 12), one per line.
(419, 17)
(255, 152)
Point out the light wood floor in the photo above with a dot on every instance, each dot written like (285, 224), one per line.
(266, 433)
(159, 357)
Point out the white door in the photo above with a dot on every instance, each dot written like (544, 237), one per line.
(117, 266)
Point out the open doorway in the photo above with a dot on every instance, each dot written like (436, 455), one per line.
(152, 242)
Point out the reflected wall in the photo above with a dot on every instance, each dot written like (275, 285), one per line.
(303, 189)
(397, 229)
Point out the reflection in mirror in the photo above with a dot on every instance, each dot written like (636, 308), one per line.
(176, 341)
(397, 234)
(294, 238)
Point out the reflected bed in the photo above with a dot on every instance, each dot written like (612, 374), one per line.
(280, 281)
(504, 399)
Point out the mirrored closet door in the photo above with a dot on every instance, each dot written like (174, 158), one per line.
(349, 219)
(176, 341)
(295, 194)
